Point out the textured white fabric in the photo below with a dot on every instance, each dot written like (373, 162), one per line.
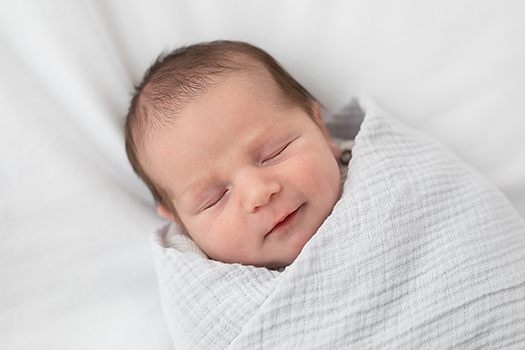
(420, 252)
(178, 238)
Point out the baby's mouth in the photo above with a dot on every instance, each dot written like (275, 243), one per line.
(285, 222)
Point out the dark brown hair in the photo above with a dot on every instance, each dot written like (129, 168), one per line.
(186, 73)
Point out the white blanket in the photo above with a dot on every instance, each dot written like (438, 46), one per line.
(420, 251)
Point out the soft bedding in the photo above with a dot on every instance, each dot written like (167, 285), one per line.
(420, 252)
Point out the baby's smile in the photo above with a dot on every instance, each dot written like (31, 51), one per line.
(284, 223)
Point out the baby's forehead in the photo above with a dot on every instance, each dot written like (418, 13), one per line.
(257, 80)
(256, 83)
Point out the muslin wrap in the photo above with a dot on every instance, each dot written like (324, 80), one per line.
(420, 252)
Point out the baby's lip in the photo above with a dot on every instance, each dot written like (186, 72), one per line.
(284, 221)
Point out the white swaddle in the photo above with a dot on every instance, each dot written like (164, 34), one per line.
(420, 251)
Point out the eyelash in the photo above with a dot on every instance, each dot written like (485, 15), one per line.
(217, 201)
(273, 157)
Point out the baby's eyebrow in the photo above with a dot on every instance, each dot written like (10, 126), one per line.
(194, 193)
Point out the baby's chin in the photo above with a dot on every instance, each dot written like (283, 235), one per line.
(280, 264)
(272, 264)
(276, 265)
(291, 255)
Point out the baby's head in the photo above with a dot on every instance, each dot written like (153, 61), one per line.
(235, 150)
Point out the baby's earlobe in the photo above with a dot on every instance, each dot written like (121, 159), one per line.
(166, 213)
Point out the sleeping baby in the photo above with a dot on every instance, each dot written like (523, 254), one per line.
(234, 151)
(419, 249)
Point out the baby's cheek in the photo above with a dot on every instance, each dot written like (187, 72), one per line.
(326, 181)
(231, 226)
(318, 171)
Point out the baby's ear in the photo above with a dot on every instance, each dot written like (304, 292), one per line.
(318, 118)
(166, 213)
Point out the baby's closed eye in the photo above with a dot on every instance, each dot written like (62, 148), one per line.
(216, 200)
(275, 156)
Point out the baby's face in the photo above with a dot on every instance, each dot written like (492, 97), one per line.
(251, 182)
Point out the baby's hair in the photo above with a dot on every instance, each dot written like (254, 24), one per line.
(177, 78)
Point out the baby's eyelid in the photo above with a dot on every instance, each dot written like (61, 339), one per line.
(276, 154)
(216, 201)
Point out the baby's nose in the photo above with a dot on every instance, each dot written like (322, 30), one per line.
(258, 192)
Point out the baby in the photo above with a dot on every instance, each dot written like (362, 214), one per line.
(234, 150)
